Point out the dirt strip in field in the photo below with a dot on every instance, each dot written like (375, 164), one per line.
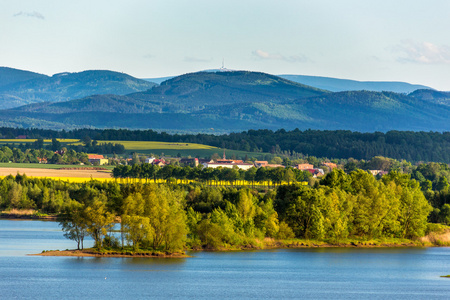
(55, 173)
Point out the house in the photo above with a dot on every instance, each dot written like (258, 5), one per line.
(22, 137)
(97, 159)
(225, 161)
(265, 164)
(60, 152)
(330, 165)
(149, 160)
(274, 166)
(42, 160)
(378, 172)
(315, 172)
(304, 167)
(202, 161)
(261, 163)
(189, 161)
(230, 165)
(159, 162)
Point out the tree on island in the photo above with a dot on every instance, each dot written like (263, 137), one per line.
(72, 223)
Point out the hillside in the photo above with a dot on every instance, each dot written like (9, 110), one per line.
(340, 85)
(95, 103)
(354, 110)
(335, 84)
(20, 87)
(236, 101)
(188, 93)
(10, 76)
(195, 91)
(432, 96)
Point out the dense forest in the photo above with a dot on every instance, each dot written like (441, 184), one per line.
(408, 145)
(168, 217)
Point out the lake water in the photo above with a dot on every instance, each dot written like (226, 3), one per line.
(348, 273)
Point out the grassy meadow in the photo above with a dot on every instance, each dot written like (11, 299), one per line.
(29, 141)
(156, 148)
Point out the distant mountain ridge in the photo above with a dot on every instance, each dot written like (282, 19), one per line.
(341, 85)
(18, 87)
(11, 76)
(334, 84)
(236, 101)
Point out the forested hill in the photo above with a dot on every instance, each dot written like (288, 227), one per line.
(412, 146)
(9, 76)
(218, 88)
(335, 84)
(21, 87)
(340, 85)
(432, 96)
(356, 111)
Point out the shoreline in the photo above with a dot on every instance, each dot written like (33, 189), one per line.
(93, 253)
(22, 217)
(297, 245)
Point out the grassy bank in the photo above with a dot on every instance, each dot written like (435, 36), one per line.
(259, 245)
(26, 214)
(111, 253)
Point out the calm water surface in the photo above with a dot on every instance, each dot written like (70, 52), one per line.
(411, 273)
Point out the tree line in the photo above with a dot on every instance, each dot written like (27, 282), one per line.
(64, 156)
(210, 176)
(409, 145)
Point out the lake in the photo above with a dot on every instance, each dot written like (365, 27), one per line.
(320, 273)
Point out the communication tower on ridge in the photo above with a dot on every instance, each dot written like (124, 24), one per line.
(223, 69)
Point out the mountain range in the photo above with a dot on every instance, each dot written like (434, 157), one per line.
(18, 87)
(334, 84)
(232, 101)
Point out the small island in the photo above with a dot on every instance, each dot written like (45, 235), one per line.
(91, 252)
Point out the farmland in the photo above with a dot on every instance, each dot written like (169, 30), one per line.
(150, 147)
(46, 141)
(43, 166)
(178, 149)
(56, 173)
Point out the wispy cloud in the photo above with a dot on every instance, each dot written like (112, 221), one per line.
(148, 56)
(33, 14)
(260, 54)
(196, 59)
(422, 53)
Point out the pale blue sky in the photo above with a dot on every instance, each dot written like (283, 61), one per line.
(396, 40)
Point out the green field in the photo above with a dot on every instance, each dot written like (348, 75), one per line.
(156, 148)
(175, 149)
(29, 141)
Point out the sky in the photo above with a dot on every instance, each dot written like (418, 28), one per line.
(353, 39)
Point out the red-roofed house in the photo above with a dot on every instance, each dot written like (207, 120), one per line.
(97, 159)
